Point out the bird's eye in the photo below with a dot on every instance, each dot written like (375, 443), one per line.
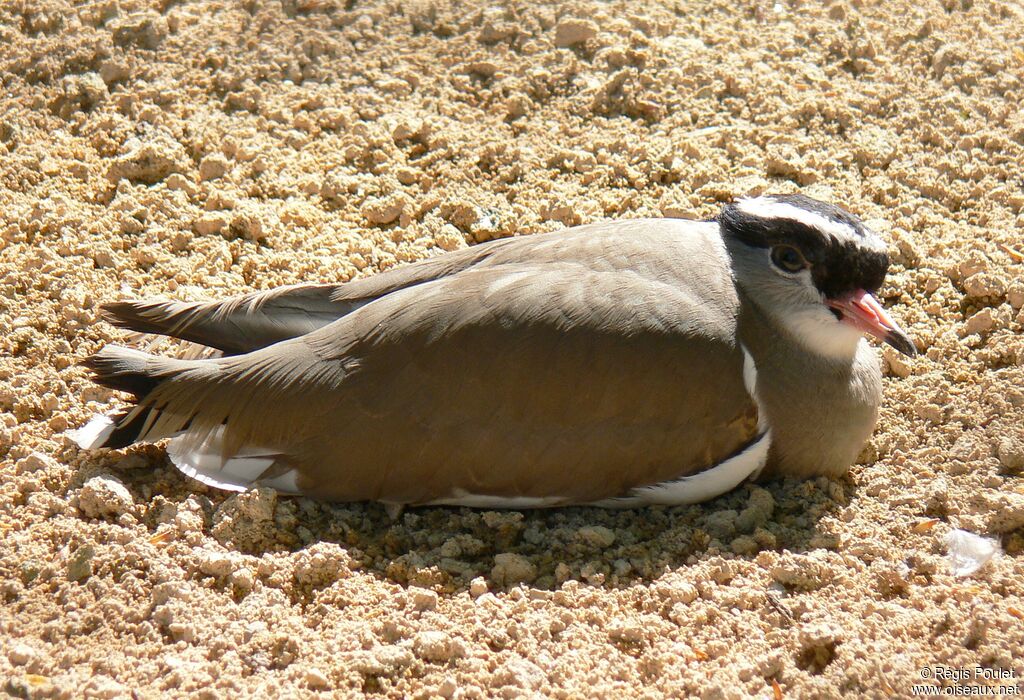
(788, 258)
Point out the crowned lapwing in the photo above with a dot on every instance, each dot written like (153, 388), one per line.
(621, 363)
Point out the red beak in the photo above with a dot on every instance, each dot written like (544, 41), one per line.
(862, 311)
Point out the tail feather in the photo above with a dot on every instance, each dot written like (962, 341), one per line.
(133, 372)
(171, 396)
(237, 325)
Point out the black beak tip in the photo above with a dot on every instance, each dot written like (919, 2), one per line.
(902, 343)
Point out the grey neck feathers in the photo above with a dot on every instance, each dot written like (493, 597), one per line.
(820, 410)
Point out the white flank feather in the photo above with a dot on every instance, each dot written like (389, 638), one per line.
(94, 433)
(702, 486)
(969, 552)
(240, 472)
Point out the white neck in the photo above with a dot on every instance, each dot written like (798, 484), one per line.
(820, 332)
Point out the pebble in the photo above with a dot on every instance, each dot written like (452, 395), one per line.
(423, 599)
(246, 224)
(80, 563)
(210, 223)
(596, 536)
(384, 211)
(146, 30)
(1006, 512)
(721, 524)
(816, 635)
(103, 496)
(447, 687)
(321, 564)
(104, 688)
(510, 569)
(316, 679)
(805, 571)
(975, 263)
(981, 322)
(217, 564)
(35, 462)
(147, 162)
(478, 586)
(436, 646)
(519, 673)
(20, 654)
(213, 166)
(1010, 452)
(257, 505)
(1015, 295)
(985, 285)
(570, 32)
(674, 589)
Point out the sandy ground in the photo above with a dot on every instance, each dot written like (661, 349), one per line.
(199, 149)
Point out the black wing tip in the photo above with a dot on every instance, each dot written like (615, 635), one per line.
(121, 369)
(130, 314)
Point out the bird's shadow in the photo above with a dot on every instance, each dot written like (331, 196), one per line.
(446, 548)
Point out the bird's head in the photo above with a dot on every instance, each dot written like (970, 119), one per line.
(814, 268)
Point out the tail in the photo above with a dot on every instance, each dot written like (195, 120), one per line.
(237, 325)
(132, 372)
(171, 396)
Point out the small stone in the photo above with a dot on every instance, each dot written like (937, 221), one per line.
(981, 322)
(1010, 451)
(257, 504)
(80, 563)
(985, 285)
(245, 224)
(213, 166)
(321, 564)
(510, 569)
(423, 599)
(146, 30)
(478, 586)
(316, 679)
(674, 589)
(436, 646)
(570, 32)
(519, 673)
(976, 262)
(114, 71)
(21, 654)
(216, 564)
(1015, 295)
(596, 536)
(210, 223)
(721, 524)
(81, 92)
(384, 661)
(147, 162)
(758, 511)
(804, 571)
(625, 630)
(447, 687)
(170, 590)
(384, 211)
(744, 545)
(1007, 512)
(242, 580)
(104, 688)
(897, 363)
(177, 181)
(820, 635)
(103, 496)
(34, 462)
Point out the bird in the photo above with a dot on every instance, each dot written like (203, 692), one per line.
(617, 364)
